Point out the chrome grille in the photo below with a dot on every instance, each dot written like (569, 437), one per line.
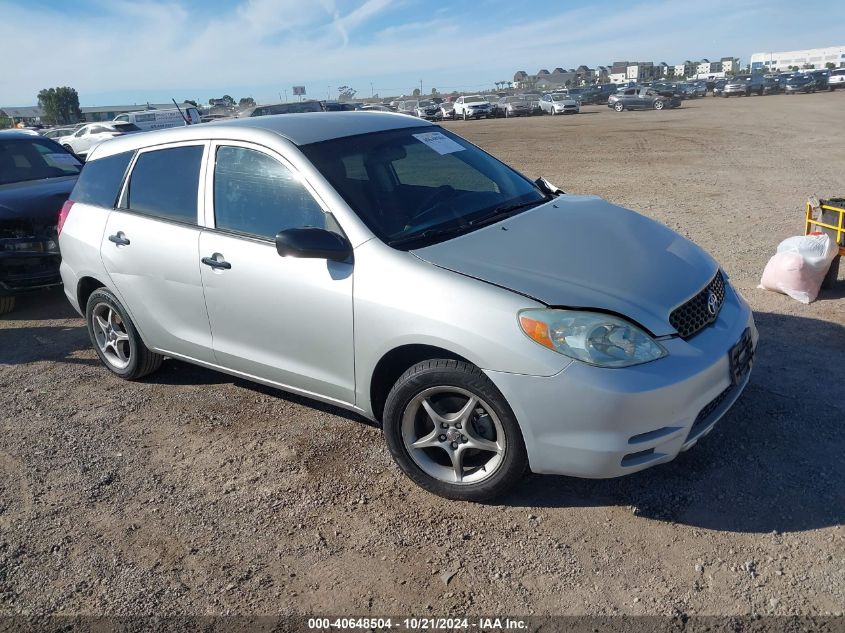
(697, 313)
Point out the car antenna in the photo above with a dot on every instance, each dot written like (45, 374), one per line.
(184, 118)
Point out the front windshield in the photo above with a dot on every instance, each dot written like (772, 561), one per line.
(559, 97)
(22, 161)
(426, 104)
(472, 98)
(408, 185)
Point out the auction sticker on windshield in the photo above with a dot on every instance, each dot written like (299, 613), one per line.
(60, 160)
(439, 142)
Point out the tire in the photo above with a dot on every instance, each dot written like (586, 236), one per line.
(7, 304)
(507, 116)
(658, 105)
(442, 388)
(465, 115)
(552, 111)
(120, 347)
(619, 106)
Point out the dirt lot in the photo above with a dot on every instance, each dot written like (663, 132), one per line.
(194, 493)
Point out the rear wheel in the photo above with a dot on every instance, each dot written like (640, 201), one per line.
(453, 433)
(115, 338)
(7, 304)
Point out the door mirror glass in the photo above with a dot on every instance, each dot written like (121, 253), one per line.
(313, 243)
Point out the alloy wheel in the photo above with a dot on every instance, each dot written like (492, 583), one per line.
(453, 435)
(111, 335)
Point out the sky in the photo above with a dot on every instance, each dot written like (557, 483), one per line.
(117, 52)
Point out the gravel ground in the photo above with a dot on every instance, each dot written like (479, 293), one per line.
(194, 493)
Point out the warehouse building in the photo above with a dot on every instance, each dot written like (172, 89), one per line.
(807, 58)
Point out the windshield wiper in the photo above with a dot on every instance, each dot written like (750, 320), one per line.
(504, 211)
(427, 234)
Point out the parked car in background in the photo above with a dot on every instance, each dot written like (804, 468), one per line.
(161, 119)
(667, 88)
(514, 106)
(771, 86)
(89, 136)
(836, 79)
(407, 106)
(427, 109)
(559, 103)
(799, 83)
(533, 101)
(641, 98)
(340, 106)
(821, 77)
(472, 389)
(473, 107)
(36, 177)
(58, 132)
(718, 87)
(447, 110)
(493, 100)
(376, 107)
(599, 94)
(743, 85)
(282, 108)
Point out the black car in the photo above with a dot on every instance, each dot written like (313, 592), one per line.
(800, 83)
(771, 86)
(283, 108)
(36, 177)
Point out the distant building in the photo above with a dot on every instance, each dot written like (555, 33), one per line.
(730, 64)
(25, 115)
(810, 57)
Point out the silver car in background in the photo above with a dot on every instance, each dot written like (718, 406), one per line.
(489, 324)
(559, 103)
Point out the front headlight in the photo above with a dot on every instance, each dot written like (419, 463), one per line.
(591, 337)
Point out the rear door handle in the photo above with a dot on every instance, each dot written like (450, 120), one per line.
(216, 261)
(119, 238)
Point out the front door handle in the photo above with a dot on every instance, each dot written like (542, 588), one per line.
(216, 261)
(119, 238)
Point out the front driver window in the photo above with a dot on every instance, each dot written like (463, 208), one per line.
(255, 194)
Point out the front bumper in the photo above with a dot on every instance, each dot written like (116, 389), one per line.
(734, 91)
(591, 422)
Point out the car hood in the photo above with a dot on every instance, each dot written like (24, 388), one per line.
(583, 252)
(35, 201)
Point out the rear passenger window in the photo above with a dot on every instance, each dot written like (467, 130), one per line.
(257, 195)
(100, 180)
(164, 183)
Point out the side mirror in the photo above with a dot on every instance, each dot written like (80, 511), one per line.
(313, 243)
(548, 188)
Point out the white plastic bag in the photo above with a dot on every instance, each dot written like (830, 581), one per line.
(798, 267)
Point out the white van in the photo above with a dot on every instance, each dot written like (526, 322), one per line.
(161, 119)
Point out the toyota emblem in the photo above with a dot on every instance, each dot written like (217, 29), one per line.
(712, 303)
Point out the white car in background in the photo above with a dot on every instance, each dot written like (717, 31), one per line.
(836, 79)
(161, 119)
(88, 136)
(472, 107)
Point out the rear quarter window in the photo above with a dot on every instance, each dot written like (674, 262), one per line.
(100, 181)
(165, 182)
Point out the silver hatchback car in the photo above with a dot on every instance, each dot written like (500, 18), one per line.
(489, 323)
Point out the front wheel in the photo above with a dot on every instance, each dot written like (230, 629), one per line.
(115, 338)
(453, 433)
(619, 106)
(552, 112)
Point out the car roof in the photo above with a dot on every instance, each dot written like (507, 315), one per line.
(300, 129)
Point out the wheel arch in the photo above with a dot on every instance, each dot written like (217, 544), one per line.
(394, 363)
(86, 286)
